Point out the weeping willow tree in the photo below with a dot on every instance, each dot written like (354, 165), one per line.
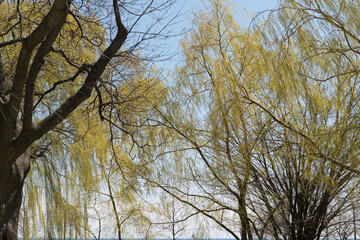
(94, 183)
(82, 178)
(311, 157)
(213, 130)
(264, 122)
(53, 55)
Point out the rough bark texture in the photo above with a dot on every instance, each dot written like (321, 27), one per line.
(11, 186)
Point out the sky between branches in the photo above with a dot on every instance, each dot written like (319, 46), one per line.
(248, 9)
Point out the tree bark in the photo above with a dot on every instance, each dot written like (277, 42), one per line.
(11, 185)
(246, 233)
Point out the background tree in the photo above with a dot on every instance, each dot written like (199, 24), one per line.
(313, 98)
(173, 217)
(273, 109)
(213, 130)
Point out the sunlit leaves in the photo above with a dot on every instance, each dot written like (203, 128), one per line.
(264, 115)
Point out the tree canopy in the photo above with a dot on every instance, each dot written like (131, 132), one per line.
(256, 129)
(55, 54)
(264, 120)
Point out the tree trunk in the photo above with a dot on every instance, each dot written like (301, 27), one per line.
(11, 185)
(246, 233)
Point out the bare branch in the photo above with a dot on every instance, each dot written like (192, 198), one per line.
(34, 71)
(58, 12)
(10, 42)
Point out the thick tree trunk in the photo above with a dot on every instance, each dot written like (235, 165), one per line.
(11, 185)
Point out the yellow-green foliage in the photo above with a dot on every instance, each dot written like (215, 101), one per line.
(76, 169)
(71, 163)
(279, 100)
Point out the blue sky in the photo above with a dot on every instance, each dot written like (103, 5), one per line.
(251, 5)
(256, 5)
(187, 6)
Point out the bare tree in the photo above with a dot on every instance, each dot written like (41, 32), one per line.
(174, 215)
